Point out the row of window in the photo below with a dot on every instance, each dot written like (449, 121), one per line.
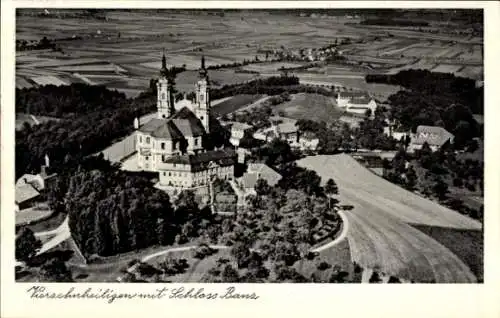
(185, 183)
(176, 174)
(162, 145)
(185, 174)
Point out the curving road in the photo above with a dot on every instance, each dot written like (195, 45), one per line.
(342, 236)
(380, 234)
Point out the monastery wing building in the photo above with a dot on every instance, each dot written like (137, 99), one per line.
(175, 143)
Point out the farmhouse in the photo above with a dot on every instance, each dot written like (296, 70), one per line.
(174, 143)
(238, 131)
(307, 141)
(398, 135)
(434, 136)
(26, 196)
(356, 102)
(285, 129)
(30, 187)
(256, 171)
(282, 128)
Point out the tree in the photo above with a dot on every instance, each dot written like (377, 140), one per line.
(287, 253)
(27, 245)
(323, 266)
(262, 187)
(393, 280)
(440, 188)
(375, 278)
(241, 253)
(458, 182)
(338, 276)
(173, 266)
(230, 275)
(331, 187)
(55, 270)
(285, 273)
(411, 178)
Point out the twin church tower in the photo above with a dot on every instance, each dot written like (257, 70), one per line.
(166, 100)
(174, 143)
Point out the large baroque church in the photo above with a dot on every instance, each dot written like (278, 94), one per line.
(174, 144)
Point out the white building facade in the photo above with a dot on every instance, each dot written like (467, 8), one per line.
(173, 144)
(356, 102)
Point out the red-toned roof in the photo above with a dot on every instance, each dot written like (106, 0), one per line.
(433, 135)
(180, 125)
(25, 192)
(354, 94)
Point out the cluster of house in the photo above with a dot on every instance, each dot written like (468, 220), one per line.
(281, 127)
(309, 54)
(356, 102)
(356, 105)
(256, 171)
(173, 143)
(436, 137)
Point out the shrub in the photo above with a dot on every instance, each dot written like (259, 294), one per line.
(323, 266)
(203, 250)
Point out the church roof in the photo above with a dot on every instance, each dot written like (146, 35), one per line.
(223, 157)
(182, 124)
(168, 130)
(188, 123)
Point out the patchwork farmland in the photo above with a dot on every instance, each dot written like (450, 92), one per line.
(389, 230)
(123, 51)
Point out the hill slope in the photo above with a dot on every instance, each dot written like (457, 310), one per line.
(381, 233)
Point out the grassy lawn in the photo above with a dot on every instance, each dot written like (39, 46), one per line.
(49, 224)
(197, 268)
(456, 192)
(108, 269)
(310, 106)
(233, 104)
(466, 244)
(379, 232)
(32, 215)
(336, 255)
(476, 155)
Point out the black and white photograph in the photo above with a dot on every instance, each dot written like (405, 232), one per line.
(246, 145)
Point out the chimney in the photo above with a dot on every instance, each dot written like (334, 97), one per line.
(43, 171)
(136, 123)
(47, 161)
